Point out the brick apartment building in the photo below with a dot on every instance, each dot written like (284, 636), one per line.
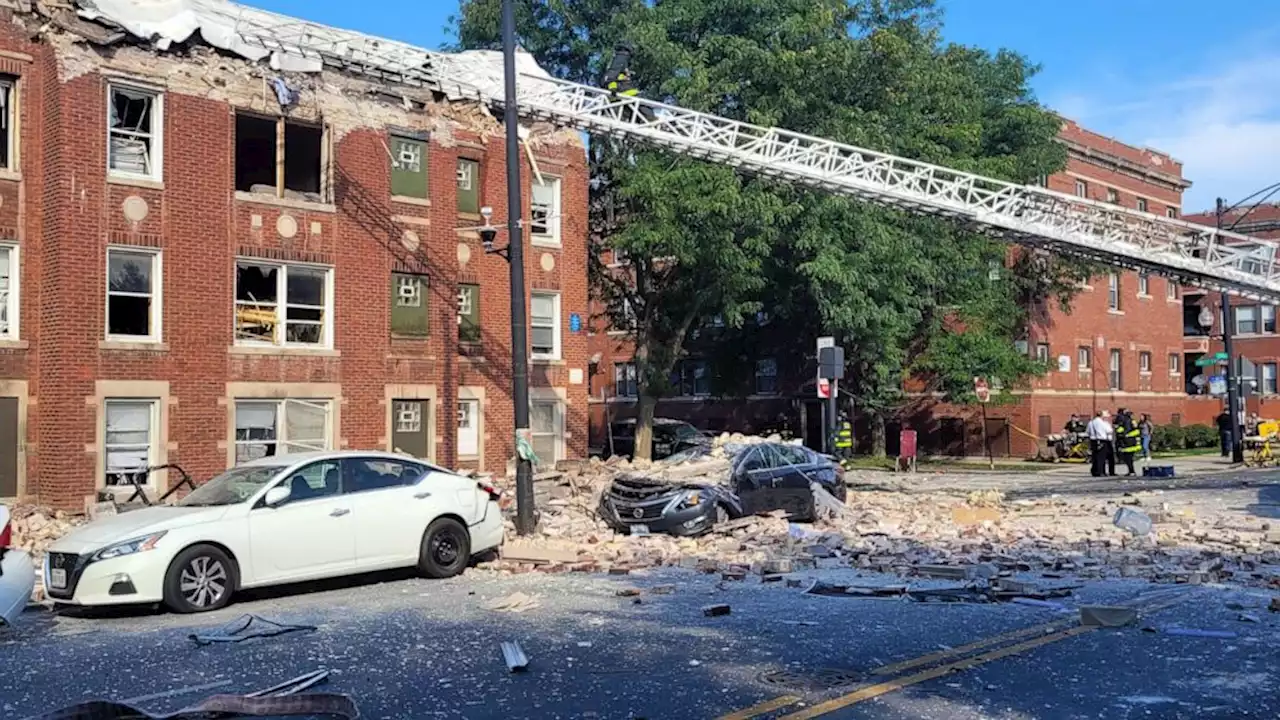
(1122, 344)
(204, 259)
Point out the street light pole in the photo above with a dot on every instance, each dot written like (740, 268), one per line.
(1233, 396)
(515, 258)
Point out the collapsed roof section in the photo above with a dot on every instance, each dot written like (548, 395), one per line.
(291, 45)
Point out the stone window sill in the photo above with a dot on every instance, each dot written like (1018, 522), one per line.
(134, 182)
(410, 200)
(285, 202)
(287, 351)
(133, 345)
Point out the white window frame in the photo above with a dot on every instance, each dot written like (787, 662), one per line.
(551, 215)
(1144, 362)
(281, 440)
(1113, 292)
(151, 446)
(1144, 284)
(1042, 352)
(558, 431)
(156, 134)
(1142, 204)
(625, 374)
(473, 406)
(1115, 371)
(1172, 291)
(1082, 189)
(1237, 310)
(555, 329)
(9, 115)
(766, 364)
(1113, 195)
(1267, 314)
(1267, 386)
(1171, 212)
(1084, 357)
(12, 301)
(1175, 363)
(157, 296)
(281, 306)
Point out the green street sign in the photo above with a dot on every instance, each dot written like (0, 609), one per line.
(1220, 356)
(1206, 362)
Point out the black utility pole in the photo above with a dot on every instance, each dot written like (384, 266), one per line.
(515, 258)
(1233, 396)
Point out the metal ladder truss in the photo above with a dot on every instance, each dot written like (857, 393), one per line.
(1028, 215)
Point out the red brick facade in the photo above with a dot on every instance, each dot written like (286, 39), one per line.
(61, 209)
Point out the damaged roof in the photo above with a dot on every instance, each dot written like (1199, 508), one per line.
(293, 45)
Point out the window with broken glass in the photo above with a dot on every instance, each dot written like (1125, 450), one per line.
(128, 439)
(469, 313)
(468, 186)
(134, 128)
(546, 425)
(545, 212)
(284, 305)
(133, 302)
(408, 304)
(281, 158)
(266, 428)
(8, 126)
(8, 292)
(408, 167)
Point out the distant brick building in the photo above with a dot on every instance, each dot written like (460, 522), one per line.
(1122, 344)
(204, 259)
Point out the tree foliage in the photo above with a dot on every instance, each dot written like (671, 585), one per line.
(900, 292)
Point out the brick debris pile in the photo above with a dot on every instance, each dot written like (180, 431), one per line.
(898, 531)
(35, 528)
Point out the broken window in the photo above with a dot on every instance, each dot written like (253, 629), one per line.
(261, 318)
(408, 304)
(296, 173)
(468, 186)
(133, 310)
(408, 167)
(128, 439)
(8, 137)
(468, 427)
(134, 126)
(8, 292)
(545, 211)
(277, 427)
(469, 313)
(544, 324)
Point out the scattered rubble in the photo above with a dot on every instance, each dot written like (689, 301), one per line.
(35, 528)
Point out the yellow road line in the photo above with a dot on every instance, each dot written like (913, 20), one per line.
(883, 688)
(763, 708)
(896, 668)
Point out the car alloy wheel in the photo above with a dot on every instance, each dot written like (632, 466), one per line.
(203, 581)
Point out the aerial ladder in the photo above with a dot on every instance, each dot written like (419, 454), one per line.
(1028, 215)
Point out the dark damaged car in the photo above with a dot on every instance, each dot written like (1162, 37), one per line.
(760, 478)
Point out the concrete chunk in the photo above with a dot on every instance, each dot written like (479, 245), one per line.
(539, 554)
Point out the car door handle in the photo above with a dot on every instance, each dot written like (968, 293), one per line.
(339, 512)
(422, 495)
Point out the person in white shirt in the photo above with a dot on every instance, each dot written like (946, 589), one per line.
(1101, 440)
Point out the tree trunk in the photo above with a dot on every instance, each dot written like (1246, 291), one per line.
(877, 434)
(644, 427)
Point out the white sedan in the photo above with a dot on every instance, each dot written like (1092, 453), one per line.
(17, 574)
(279, 519)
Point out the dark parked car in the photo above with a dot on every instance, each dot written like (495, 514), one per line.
(669, 437)
(764, 477)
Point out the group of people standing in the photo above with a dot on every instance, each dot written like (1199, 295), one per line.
(1124, 437)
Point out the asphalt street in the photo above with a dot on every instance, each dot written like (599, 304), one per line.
(404, 648)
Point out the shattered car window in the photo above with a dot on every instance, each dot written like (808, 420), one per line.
(232, 487)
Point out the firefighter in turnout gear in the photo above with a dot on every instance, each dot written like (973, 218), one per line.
(617, 79)
(1128, 439)
(844, 439)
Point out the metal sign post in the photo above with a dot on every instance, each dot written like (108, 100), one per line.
(830, 368)
(983, 391)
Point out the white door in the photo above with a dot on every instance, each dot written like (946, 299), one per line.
(311, 535)
(393, 505)
(468, 428)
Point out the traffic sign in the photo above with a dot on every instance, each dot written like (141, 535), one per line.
(981, 389)
(824, 388)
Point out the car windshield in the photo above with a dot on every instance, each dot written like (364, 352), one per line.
(687, 432)
(232, 487)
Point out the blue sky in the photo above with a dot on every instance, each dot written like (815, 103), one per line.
(1198, 80)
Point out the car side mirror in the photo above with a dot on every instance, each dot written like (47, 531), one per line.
(276, 496)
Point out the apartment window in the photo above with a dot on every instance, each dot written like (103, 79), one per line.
(544, 325)
(8, 292)
(135, 124)
(691, 378)
(468, 428)
(545, 211)
(1114, 378)
(469, 313)
(1113, 291)
(278, 427)
(1267, 373)
(1144, 362)
(1246, 319)
(1171, 212)
(1082, 189)
(1083, 356)
(1042, 352)
(409, 304)
(625, 383)
(1112, 195)
(128, 440)
(1268, 318)
(8, 138)
(409, 167)
(1172, 290)
(468, 186)
(546, 425)
(133, 295)
(285, 305)
(1175, 364)
(298, 174)
(1144, 284)
(766, 376)
(1142, 204)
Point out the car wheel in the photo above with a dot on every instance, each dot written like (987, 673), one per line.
(200, 579)
(446, 549)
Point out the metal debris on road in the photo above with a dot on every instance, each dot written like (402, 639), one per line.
(1107, 616)
(1193, 632)
(515, 602)
(244, 629)
(514, 656)
(715, 610)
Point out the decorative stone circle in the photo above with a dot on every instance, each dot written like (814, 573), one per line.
(287, 226)
(135, 209)
(548, 262)
(464, 253)
(409, 239)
